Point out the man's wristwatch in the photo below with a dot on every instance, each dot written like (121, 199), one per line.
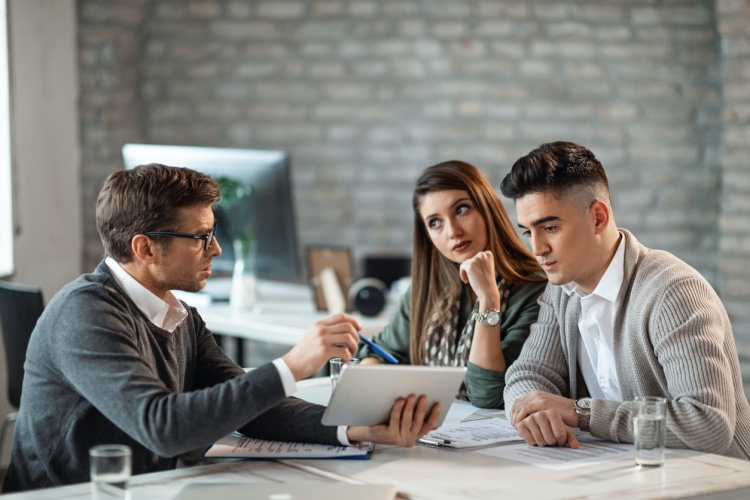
(583, 409)
(491, 317)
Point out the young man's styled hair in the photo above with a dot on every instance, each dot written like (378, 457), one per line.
(148, 198)
(562, 169)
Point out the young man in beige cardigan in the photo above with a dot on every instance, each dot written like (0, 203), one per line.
(618, 320)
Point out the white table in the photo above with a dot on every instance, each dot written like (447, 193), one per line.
(282, 315)
(427, 473)
(165, 485)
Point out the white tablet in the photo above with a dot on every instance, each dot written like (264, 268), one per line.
(365, 394)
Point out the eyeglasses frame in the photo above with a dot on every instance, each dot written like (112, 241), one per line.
(208, 238)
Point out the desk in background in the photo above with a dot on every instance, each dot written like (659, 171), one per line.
(282, 315)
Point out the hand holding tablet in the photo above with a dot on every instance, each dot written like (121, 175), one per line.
(365, 394)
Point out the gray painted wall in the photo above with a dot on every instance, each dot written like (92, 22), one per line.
(47, 195)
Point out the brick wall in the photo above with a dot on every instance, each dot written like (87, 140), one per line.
(109, 48)
(367, 93)
(733, 19)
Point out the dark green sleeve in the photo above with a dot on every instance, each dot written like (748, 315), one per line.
(395, 335)
(485, 387)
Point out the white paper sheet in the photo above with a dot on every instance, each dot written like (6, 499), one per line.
(458, 411)
(592, 450)
(467, 426)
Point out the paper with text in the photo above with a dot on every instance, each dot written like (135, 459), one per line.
(243, 447)
(591, 450)
(473, 433)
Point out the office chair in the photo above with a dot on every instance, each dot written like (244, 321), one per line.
(20, 308)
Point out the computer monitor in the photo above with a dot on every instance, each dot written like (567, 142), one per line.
(270, 204)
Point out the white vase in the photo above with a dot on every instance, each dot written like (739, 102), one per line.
(243, 294)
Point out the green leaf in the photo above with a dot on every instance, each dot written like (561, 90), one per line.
(232, 192)
(240, 222)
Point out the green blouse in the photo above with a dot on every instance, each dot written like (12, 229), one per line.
(484, 387)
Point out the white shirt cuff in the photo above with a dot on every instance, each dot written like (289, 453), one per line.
(285, 374)
(341, 435)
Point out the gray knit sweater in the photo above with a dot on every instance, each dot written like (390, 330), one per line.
(672, 338)
(98, 371)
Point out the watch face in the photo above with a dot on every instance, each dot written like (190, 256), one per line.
(584, 403)
(493, 317)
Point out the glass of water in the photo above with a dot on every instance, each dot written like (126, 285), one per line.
(337, 366)
(650, 429)
(110, 466)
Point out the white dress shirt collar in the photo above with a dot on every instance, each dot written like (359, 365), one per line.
(596, 319)
(166, 314)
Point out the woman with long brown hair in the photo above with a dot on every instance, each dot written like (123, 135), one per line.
(474, 284)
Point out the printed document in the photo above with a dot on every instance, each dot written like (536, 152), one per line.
(467, 426)
(234, 446)
(591, 450)
(474, 433)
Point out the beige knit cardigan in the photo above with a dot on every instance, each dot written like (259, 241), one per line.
(672, 338)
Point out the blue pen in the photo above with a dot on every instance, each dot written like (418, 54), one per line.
(387, 355)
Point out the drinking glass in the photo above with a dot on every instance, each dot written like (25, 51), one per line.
(650, 429)
(110, 466)
(337, 367)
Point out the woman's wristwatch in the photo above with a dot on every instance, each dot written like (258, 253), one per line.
(491, 317)
(583, 409)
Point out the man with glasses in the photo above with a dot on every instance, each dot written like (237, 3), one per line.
(116, 358)
(207, 238)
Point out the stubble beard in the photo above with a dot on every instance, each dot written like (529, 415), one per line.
(193, 286)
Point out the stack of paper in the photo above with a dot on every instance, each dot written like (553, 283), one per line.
(474, 433)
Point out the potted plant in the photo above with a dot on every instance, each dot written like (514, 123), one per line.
(234, 209)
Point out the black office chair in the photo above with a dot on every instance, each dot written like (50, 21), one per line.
(20, 308)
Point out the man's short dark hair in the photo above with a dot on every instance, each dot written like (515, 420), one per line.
(148, 198)
(560, 168)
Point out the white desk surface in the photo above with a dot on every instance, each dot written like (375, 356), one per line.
(427, 473)
(430, 473)
(166, 485)
(282, 315)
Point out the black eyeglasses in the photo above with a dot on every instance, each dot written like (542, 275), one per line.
(207, 238)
